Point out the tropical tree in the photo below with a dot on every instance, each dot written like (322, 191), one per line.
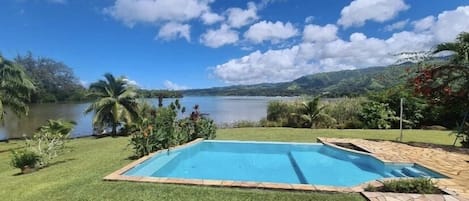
(460, 49)
(448, 84)
(15, 88)
(116, 103)
(54, 80)
(311, 111)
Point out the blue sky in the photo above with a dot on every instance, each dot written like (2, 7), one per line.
(178, 44)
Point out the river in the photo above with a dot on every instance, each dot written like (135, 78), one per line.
(220, 108)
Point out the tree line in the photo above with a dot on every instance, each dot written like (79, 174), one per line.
(55, 81)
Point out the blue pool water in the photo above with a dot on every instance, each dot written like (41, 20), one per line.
(291, 163)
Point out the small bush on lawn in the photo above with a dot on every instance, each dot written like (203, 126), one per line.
(46, 144)
(24, 159)
(419, 185)
(50, 139)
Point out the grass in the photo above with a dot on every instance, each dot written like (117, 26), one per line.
(310, 135)
(77, 175)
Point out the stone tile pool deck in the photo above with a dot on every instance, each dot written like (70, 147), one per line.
(452, 165)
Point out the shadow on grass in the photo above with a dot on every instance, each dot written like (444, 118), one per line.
(50, 164)
(11, 149)
(109, 135)
(132, 158)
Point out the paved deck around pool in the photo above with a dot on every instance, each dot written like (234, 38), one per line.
(453, 165)
(377, 196)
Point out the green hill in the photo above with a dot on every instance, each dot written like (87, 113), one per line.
(339, 83)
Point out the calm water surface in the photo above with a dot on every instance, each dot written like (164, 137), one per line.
(220, 109)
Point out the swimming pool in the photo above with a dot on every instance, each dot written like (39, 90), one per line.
(289, 163)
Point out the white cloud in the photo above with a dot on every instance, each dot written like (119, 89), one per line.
(309, 19)
(84, 83)
(269, 31)
(131, 82)
(326, 52)
(359, 11)
(270, 66)
(316, 33)
(397, 25)
(450, 23)
(238, 17)
(149, 11)
(313, 57)
(173, 86)
(173, 30)
(217, 38)
(211, 18)
(424, 24)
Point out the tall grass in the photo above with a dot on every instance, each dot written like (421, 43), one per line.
(340, 113)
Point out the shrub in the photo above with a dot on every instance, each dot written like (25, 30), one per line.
(298, 114)
(266, 123)
(414, 110)
(279, 111)
(245, 124)
(49, 140)
(163, 129)
(24, 158)
(376, 115)
(418, 185)
(205, 128)
(346, 112)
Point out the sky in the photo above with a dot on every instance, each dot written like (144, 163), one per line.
(184, 44)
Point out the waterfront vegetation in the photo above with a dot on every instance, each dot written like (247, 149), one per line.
(77, 175)
(159, 128)
(15, 88)
(434, 95)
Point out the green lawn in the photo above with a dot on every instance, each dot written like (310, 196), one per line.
(310, 135)
(77, 175)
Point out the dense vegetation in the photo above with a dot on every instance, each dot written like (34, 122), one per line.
(160, 128)
(55, 81)
(155, 93)
(418, 185)
(15, 88)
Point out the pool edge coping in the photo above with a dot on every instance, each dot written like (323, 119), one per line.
(118, 175)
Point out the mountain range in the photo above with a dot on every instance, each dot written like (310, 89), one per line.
(334, 84)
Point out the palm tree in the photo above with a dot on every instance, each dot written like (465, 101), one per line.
(15, 88)
(57, 127)
(116, 103)
(311, 111)
(460, 48)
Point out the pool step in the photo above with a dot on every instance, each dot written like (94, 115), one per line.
(154, 165)
(410, 171)
(398, 173)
